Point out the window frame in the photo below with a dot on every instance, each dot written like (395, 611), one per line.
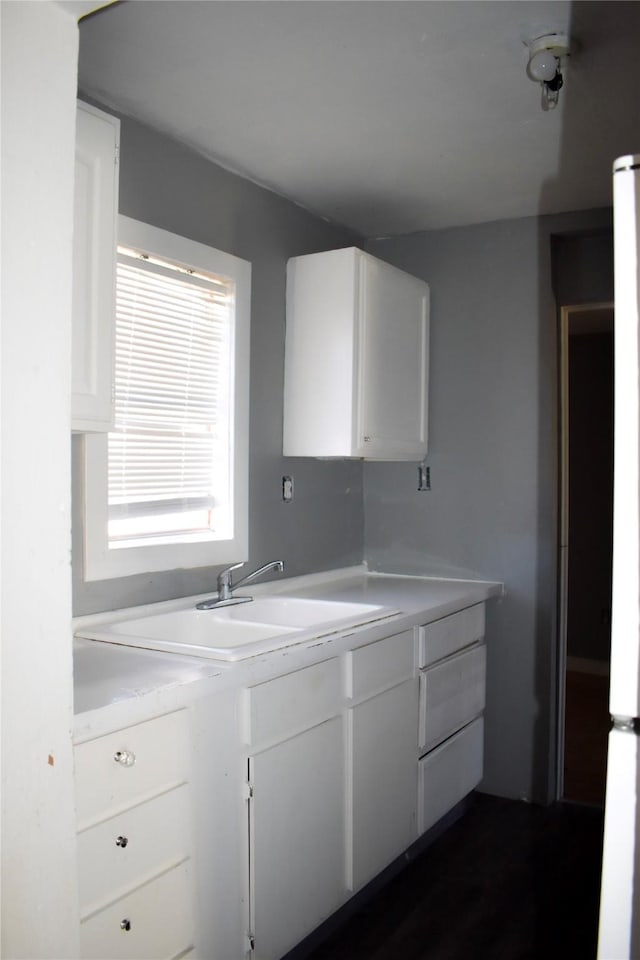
(101, 562)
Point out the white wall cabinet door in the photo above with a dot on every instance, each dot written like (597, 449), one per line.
(94, 252)
(392, 357)
(384, 780)
(356, 358)
(297, 847)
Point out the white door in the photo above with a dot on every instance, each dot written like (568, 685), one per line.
(384, 784)
(619, 935)
(297, 849)
(394, 362)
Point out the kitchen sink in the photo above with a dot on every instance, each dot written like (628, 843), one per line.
(299, 611)
(238, 632)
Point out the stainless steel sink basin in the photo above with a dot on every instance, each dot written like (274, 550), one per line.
(238, 632)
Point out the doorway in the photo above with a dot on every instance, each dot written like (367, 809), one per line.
(586, 542)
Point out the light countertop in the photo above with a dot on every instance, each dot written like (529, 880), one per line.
(132, 681)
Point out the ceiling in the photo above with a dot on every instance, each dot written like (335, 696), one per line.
(387, 116)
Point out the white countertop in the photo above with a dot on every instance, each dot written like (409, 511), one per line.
(108, 675)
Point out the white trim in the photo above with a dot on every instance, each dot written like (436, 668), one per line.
(101, 563)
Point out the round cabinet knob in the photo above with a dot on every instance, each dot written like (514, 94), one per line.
(125, 924)
(126, 758)
(122, 842)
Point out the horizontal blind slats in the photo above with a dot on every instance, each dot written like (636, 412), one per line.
(172, 382)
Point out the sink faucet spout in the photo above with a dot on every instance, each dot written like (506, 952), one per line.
(273, 565)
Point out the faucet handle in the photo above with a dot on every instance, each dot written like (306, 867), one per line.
(224, 580)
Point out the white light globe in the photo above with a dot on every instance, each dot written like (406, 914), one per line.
(543, 66)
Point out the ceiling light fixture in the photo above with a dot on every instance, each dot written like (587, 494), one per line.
(547, 56)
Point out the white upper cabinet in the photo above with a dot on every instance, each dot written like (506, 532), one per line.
(94, 255)
(356, 358)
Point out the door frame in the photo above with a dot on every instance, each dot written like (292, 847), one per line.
(563, 525)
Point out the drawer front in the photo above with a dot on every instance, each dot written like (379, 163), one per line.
(278, 708)
(151, 923)
(125, 851)
(451, 694)
(378, 665)
(158, 755)
(449, 773)
(443, 637)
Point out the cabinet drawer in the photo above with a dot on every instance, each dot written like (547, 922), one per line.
(379, 665)
(278, 708)
(158, 755)
(153, 837)
(449, 773)
(158, 917)
(443, 637)
(451, 694)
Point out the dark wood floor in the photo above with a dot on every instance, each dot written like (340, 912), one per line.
(508, 881)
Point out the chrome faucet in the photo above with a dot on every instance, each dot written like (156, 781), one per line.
(225, 586)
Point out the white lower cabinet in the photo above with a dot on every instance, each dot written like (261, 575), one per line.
(452, 658)
(452, 694)
(349, 761)
(134, 846)
(152, 921)
(382, 814)
(295, 767)
(297, 873)
(302, 788)
(447, 774)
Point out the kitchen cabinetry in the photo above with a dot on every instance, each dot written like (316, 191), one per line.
(303, 774)
(296, 806)
(133, 809)
(356, 358)
(452, 657)
(94, 252)
(382, 743)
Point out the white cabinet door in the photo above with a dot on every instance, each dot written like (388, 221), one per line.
(297, 850)
(393, 359)
(94, 251)
(356, 358)
(384, 780)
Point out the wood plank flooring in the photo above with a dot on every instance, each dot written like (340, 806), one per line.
(508, 881)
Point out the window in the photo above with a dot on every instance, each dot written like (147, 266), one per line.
(168, 487)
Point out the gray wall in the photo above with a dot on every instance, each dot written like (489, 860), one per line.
(492, 510)
(169, 186)
(493, 439)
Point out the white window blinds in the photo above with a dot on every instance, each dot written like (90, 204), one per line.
(169, 462)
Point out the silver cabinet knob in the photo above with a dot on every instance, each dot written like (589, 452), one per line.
(126, 758)
(125, 924)
(122, 842)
